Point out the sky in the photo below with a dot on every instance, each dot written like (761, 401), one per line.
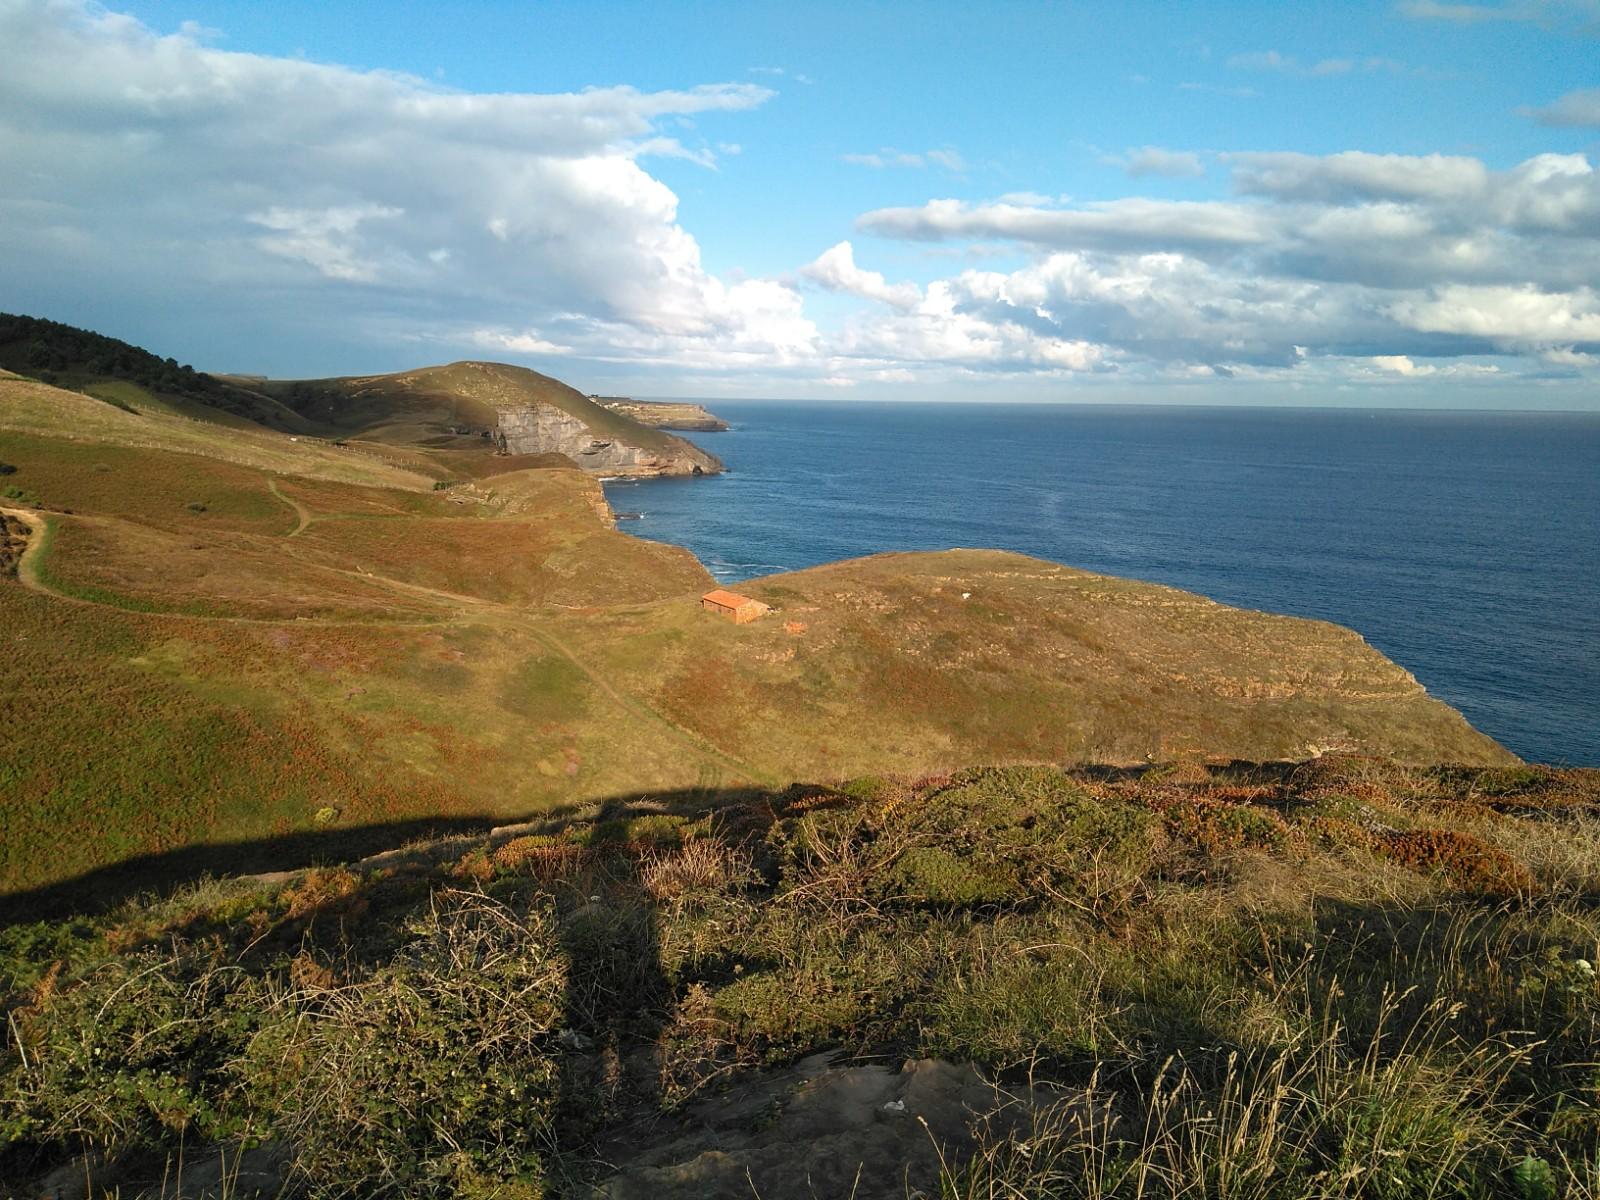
(1390, 203)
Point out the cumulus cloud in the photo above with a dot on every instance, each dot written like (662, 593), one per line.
(1509, 315)
(1355, 265)
(836, 270)
(271, 187)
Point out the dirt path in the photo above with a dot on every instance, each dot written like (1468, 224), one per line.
(301, 512)
(29, 576)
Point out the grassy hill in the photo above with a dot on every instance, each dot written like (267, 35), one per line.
(131, 378)
(217, 634)
(453, 406)
(447, 408)
(1338, 980)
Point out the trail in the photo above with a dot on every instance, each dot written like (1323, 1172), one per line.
(29, 576)
(300, 511)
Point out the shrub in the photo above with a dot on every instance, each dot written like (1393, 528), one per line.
(433, 1076)
(131, 1055)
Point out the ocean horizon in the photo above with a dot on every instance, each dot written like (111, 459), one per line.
(1464, 544)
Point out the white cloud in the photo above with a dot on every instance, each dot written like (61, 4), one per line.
(1581, 109)
(1578, 16)
(1401, 364)
(1352, 265)
(782, 73)
(836, 270)
(278, 197)
(1511, 316)
(327, 239)
(949, 159)
(1112, 224)
(1566, 356)
(1354, 174)
(260, 190)
(1288, 64)
(520, 343)
(1154, 160)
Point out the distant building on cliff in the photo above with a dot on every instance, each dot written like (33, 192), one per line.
(741, 610)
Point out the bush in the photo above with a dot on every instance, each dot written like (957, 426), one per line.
(136, 1053)
(434, 1076)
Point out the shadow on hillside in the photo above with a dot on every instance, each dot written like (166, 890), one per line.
(106, 887)
(160, 874)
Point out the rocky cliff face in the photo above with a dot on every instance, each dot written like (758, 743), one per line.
(543, 428)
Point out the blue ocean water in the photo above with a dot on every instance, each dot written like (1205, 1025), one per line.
(1464, 545)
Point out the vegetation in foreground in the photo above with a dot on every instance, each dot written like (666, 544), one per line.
(1343, 979)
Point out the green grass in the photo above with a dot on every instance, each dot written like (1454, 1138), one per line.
(1219, 1013)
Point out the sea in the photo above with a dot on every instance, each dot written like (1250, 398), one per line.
(1464, 545)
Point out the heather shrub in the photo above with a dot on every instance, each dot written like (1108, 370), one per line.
(435, 1074)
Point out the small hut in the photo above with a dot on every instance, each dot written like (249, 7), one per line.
(741, 610)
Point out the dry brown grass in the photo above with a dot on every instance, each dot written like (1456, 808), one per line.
(699, 865)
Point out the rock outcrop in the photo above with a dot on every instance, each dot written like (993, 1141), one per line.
(543, 428)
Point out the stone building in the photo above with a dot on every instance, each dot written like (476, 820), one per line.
(741, 610)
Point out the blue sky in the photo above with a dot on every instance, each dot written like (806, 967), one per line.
(1385, 203)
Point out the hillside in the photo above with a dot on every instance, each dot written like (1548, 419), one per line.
(477, 405)
(218, 634)
(473, 408)
(1337, 980)
(129, 377)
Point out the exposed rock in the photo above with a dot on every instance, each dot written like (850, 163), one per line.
(14, 533)
(219, 1173)
(822, 1130)
(543, 428)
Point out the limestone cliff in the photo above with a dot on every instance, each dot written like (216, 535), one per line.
(539, 428)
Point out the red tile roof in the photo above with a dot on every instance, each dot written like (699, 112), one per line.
(727, 599)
